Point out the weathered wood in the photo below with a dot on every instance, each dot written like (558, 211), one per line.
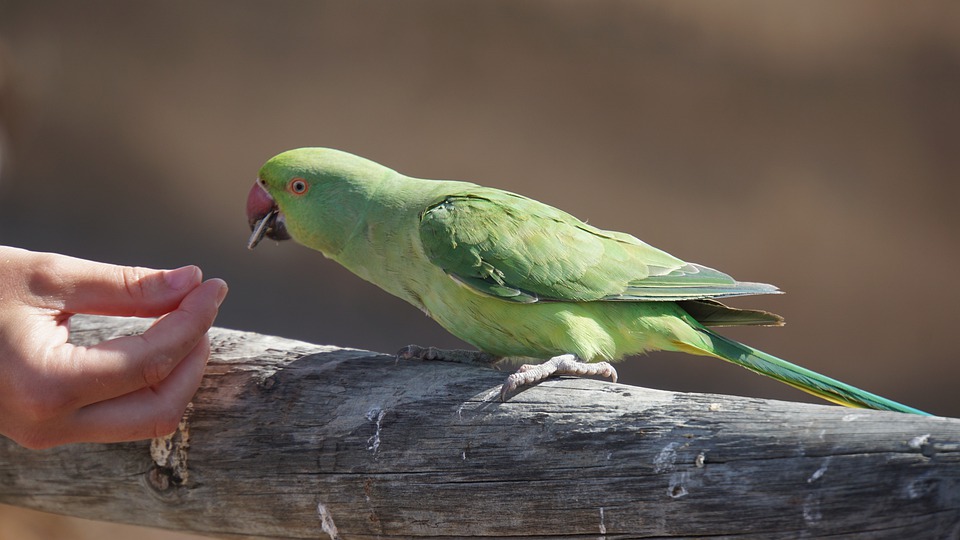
(287, 439)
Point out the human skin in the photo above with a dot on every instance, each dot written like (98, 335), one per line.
(128, 388)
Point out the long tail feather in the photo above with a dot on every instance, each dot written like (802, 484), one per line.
(800, 378)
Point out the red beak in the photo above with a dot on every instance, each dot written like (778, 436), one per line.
(262, 215)
(259, 204)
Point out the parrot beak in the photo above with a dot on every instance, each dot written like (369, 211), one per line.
(264, 217)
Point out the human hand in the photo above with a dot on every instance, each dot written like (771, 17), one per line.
(123, 389)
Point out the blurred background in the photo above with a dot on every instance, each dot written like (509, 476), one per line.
(812, 145)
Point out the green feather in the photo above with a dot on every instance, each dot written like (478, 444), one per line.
(489, 239)
(799, 377)
(516, 277)
(712, 313)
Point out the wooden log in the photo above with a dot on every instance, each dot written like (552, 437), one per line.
(291, 440)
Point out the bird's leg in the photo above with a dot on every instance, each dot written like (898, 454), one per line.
(459, 356)
(565, 364)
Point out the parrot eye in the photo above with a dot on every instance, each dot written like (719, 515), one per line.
(298, 186)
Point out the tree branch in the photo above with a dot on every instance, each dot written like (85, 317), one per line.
(291, 440)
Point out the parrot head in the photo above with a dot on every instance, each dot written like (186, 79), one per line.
(315, 196)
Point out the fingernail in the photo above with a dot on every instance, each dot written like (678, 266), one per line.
(182, 277)
(222, 292)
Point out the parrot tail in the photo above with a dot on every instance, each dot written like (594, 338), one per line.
(798, 377)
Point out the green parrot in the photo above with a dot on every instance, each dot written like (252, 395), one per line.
(512, 276)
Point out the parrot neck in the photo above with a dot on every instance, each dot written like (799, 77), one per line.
(382, 244)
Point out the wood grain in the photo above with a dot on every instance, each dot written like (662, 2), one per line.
(287, 439)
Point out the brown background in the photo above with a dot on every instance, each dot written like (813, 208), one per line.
(812, 145)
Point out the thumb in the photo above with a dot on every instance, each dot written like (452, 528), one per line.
(79, 286)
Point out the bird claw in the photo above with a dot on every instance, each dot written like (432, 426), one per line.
(565, 364)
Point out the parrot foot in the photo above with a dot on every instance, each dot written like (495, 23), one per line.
(565, 364)
(460, 356)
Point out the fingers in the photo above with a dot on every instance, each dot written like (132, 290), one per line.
(127, 364)
(52, 392)
(128, 388)
(79, 286)
(146, 413)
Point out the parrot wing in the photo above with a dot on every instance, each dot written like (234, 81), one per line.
(517, 249)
